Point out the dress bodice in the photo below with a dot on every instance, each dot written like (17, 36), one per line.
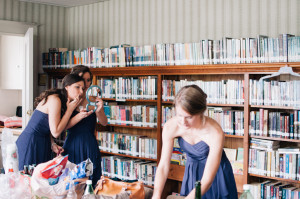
(198, 151)
(38, 124)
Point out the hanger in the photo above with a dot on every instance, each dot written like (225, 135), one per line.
(282, 71)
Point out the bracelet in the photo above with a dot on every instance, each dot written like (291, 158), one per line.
(52, 144)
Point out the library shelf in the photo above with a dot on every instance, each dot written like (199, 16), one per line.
(212, 104)
(275, 178)
(274, 138)
(129, 100)
(208, 72)
(132, 127)
(275, 107)
(129, 156)
(176, 172)
(234, 136)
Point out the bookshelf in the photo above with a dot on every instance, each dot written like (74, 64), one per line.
(216, 72)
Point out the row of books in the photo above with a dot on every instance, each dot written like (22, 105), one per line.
(56, 83)
(167, 113)
(178, 155)
(274, 189)
(275, 124)
(220, 92)
(129, 87)
(129, 169)
(134, 145)
(267, 159)
(231, 121)
(140, 115)
(274, 93)
(225, 51)
(236, 158)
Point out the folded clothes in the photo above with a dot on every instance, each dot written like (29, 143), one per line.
(13, 122)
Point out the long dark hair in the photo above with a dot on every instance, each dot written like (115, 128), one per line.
(62, 93)
(81, 69)
(192, 99)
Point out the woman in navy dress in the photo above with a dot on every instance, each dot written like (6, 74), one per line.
(54, 108)
(202, 139)
(81, 142)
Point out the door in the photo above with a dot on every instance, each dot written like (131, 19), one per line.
(27, 90)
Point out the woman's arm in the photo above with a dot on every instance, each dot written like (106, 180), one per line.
(56, 123)
(78, 117)
(164, 163)
(55, 148)
(100, 112)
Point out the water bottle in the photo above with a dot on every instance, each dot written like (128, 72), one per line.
(89, 191)
(197, 190)
(246, 194)
(71, 193)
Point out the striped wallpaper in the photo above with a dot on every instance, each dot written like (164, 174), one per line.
(139, 22)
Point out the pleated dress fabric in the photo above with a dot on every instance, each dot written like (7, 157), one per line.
(223, 185)
(34, 143)
(82, 144)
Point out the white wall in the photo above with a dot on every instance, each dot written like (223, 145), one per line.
(9, 100)
(11, 62)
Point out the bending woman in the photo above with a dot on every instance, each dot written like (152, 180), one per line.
(81, 142)
(51, 116)
(202, 139)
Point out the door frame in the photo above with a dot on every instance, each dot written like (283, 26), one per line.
(30, 73)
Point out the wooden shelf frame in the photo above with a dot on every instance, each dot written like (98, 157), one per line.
(245, 70)
(129, 156)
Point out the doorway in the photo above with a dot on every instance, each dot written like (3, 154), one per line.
(12, 29)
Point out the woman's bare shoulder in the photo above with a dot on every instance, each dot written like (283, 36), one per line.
(214, 129)
(170, 128)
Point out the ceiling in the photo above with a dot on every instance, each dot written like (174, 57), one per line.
(65, 3)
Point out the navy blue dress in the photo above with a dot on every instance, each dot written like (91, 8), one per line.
(223, 185)
(82, 144)
(34, 143)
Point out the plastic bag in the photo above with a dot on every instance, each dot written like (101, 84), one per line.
(12, 187)
(9, 151)
(41, 188)
(54, 169)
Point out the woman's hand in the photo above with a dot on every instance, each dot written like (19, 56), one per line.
(56, 149)
(99, 104)
(84, 113)
(74, 103)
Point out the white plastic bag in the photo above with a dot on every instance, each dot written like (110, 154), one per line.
(9, 151)
(41, 188)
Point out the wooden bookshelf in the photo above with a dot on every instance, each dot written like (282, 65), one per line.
(275, 107)
(242, 71)
(132, 127)
(128, 156)
(274, 178)
(274, 138)
(129, 100)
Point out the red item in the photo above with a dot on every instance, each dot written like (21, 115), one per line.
(55, 167)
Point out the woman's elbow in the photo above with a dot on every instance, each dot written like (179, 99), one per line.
(55, 134)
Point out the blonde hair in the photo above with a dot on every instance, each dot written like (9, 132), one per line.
(192, 99)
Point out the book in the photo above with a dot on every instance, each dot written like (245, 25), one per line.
(231, 154)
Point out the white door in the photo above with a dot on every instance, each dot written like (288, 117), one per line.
(27, 91)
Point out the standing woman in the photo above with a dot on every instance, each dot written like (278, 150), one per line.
(202, 139)
(53, 111)
(81, 142)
